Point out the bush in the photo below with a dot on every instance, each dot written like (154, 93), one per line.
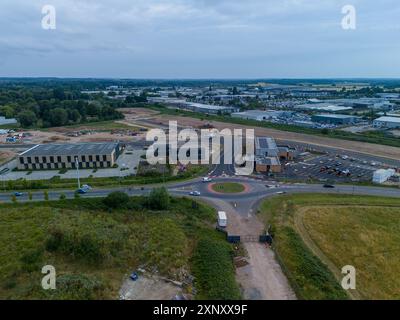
(159, 199)
(116, 200)
(92, 239)
(77, 287)
(214, 270)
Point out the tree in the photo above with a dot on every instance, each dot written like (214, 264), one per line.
(27, 118)
(116, 200)
(58, 117)
(74, 116)
(30, 195)
(62, 196)
(46, 196)
(159, 199)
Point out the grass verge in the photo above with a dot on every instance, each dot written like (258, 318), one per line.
(316, 235)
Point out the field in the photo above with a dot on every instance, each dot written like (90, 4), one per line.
(94, 248)
(316, 235)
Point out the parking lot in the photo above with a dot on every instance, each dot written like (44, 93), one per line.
(329, 167)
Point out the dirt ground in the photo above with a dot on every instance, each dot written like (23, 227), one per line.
(7, 154)
(59, 135)
(148, 288)
(262, 278)
(135, 116)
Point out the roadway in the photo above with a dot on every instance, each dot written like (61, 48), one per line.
(256, 189)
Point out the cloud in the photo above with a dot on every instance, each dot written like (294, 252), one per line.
(189, 38)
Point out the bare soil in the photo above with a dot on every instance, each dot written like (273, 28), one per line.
(135, 116)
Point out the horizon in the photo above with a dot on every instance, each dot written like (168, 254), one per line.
(200, 39)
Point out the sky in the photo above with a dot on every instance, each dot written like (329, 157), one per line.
(190, 39)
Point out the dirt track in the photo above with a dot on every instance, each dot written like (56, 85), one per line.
(262, 278)
(367, 148)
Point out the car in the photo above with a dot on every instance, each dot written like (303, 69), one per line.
(281, 192)
(86, 187)
(18, 194)
(328, 186)
(134, 276)
(195, 193)
(207, 179)
(81, 191)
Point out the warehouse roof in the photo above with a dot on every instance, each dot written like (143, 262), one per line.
(265, 142)
(70, 149)
(336, 116)
(388, 119)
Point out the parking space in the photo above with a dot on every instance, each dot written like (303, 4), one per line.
(329, 167)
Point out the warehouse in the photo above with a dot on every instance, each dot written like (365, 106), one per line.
(65, 156)
(387, 122)
(337, 119)
(260, 115)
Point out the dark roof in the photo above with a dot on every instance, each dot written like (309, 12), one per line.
(70, 149)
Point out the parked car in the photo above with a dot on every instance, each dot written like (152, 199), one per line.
(134, 276)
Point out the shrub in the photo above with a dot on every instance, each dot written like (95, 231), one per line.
(116, 200)
(77, 287)
(214, 270)
(93, 239)
(159, 199)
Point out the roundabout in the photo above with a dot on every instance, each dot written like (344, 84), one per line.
(228, 187)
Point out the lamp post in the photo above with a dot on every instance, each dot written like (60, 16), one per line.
(77, 172)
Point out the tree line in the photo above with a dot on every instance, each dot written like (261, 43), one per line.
(36, 106)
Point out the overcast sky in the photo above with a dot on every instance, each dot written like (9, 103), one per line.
(200, 39)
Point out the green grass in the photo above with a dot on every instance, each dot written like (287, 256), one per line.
(58, 183)
(228, 187)
(315, 235)
(97, 125)
(214, 271)
(93, 248)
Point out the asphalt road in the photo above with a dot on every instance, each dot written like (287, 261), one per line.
(256, 190)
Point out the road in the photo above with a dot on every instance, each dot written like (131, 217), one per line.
(262, 278)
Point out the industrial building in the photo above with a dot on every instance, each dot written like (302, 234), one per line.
(65, 156)
(260, 115)
(269, 155)
(337, 119)
(382, 175)
(387, 122)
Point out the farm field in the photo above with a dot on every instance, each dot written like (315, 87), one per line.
(94, 248)
(316, 235)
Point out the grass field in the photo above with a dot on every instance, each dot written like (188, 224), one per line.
(316, 235)
(228, 187)
(93, 248)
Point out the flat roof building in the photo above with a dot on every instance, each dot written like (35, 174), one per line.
(269, 155)
(65, 156)
(338, 119)
(387, 122)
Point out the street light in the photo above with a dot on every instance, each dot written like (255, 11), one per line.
(77, 171)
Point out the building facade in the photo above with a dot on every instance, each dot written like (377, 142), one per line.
(67, 156)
